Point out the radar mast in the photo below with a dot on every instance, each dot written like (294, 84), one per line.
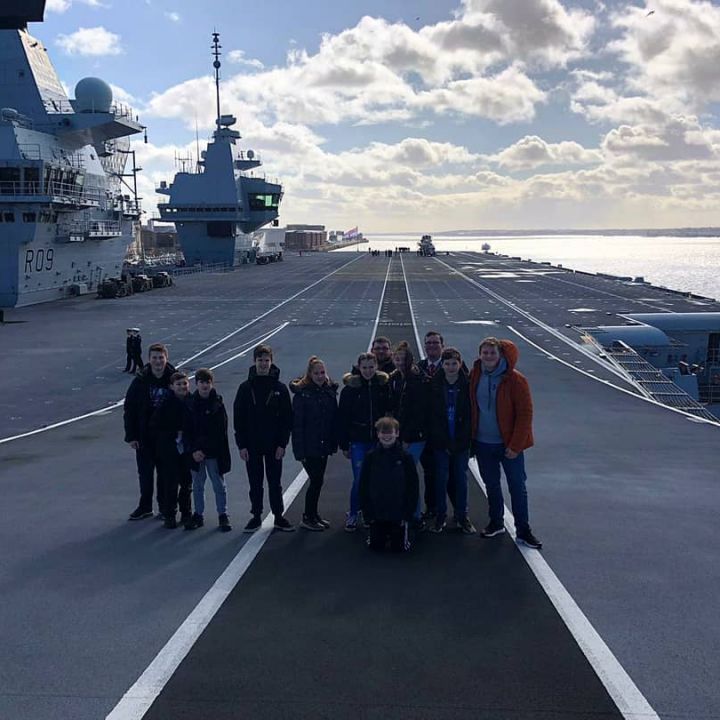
(216, 46)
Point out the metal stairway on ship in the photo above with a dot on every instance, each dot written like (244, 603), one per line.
(652, 383)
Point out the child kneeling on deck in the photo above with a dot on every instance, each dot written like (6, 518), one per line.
(388, 489)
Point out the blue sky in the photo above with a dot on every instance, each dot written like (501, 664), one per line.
(428, 115)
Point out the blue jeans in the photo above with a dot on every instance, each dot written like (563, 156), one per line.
(416, 450)
(358, 451)
(209, 465)
(459, 462)
(490, 457)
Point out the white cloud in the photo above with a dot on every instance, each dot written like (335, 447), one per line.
(61, 6)
(535, 30)
(90, 41)
(173, 16)
(679, 139)
(380, 72)
(510, 96)
(122, 96)
(673, 54)
(533, 152)
(238, 58)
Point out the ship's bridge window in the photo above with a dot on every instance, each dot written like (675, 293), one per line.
(9, 177)
(259, 201)
(9, 217)
(32, 180)
(29, 217)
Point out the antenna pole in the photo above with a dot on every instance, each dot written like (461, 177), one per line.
(216, 64)
(197, 145)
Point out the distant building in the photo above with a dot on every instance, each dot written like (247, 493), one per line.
(155, 239)
(305, 237)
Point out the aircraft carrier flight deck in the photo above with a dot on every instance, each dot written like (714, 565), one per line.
(623, 491)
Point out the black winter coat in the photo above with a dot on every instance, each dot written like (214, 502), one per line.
(145, 394)
(208, 430)
(315, 414)
(262, 426)
(437, 408)
(362, 403)
(388, 485)
(409, 405)
(171, 418)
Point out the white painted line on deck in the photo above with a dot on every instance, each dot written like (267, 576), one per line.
(138, 699)
(623, 691)
(420, 344)
(114, 406)
(260, 317)
(625, 694)
(536, 321)
(570, 271)
(543, 350)
(382, 297)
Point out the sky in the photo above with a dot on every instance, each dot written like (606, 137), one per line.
(426, 115)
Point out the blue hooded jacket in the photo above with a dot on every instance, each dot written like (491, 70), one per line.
(488, 429)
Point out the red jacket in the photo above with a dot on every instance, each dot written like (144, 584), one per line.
(514, 402)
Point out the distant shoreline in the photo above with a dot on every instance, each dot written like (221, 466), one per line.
(661, 232)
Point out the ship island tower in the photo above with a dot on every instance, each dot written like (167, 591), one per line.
(218, 202)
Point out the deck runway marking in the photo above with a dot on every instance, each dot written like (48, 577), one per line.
(552, 331)
(380, 306)
(587, 373)
(114, 406)
(607, 292)
(138, 699)
(260, 317)
(620, 686)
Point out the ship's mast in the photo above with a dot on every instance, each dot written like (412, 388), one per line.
(216, 64)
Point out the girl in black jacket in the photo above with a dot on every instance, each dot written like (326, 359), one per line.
(409, 400)
(314, 435)
(363, 401)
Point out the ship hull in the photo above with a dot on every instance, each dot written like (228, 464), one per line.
(36, 268)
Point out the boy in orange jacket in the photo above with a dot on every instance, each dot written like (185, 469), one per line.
(501, 411)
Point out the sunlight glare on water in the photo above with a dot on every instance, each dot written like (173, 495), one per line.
(681, 263)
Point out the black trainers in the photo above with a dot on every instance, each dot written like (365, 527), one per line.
(466, 526)
(324, 523)
(311, 524)
(170, 522)
(186, 520)
(253, 525)
(428, 515)
(283, 524)
(140, 514)
(492, 529)
(198, 520)
(439, 525)
(224, 522)
(527, 538)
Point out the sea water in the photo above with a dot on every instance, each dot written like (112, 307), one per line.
(690, 264)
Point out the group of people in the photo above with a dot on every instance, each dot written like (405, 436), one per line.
(393, 416)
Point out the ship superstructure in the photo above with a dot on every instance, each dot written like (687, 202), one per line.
(65, 223)
(217, 205)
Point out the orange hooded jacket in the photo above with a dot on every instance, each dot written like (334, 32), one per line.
(514, 402)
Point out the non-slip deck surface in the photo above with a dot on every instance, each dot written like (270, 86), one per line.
(622, 493)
